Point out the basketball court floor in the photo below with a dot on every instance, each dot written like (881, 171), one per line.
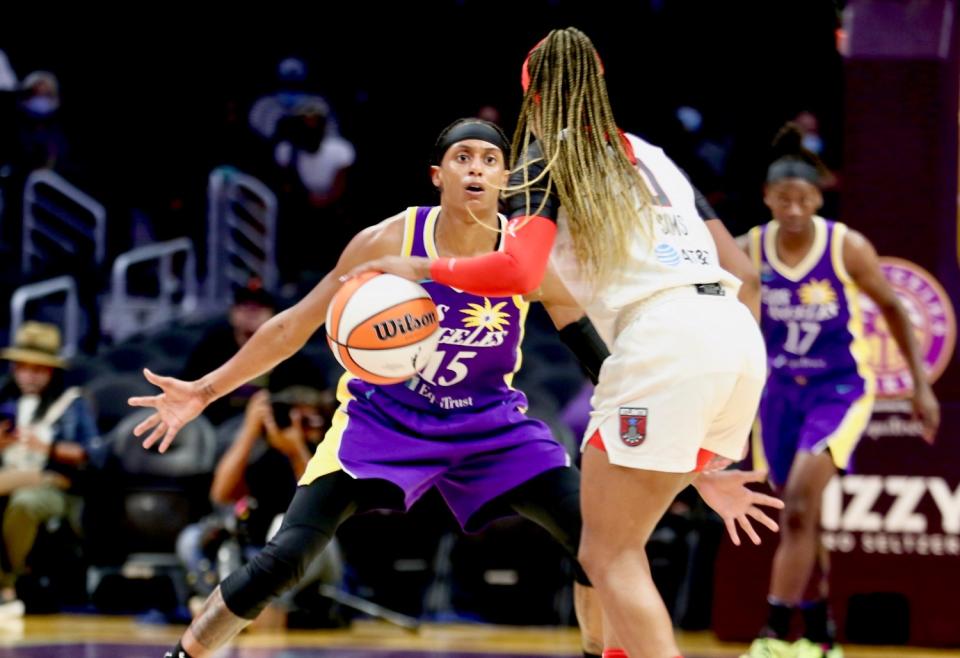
(83, 636)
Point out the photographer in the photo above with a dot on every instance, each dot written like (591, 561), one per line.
(254, 482)
(270, 452)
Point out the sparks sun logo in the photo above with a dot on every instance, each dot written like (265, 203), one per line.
(817, 291)
(934, 326)
(488, 316)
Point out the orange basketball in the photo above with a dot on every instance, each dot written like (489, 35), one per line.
(382, 328)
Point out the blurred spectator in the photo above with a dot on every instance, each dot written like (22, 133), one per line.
(45, 432)
(257, 477)
(304, 137)
(809, 125)
(8, 86)
(8, 79)
(41, 142)
(309, 163)
(490, 113)
(702, 148)
(310, 148)
(31, 137)
(36, 139)
(711, 148)
(252, 306)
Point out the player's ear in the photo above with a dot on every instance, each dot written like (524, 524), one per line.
(435, 176)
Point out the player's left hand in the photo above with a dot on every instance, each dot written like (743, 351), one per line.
(414, 268)
(926, 409)
(727, 493)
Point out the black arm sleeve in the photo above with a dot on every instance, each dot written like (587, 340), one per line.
(703, 206)
(541, 193)
(585, 343)
(704, 209)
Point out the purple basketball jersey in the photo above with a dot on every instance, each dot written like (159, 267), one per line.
(820, 391)
(458, 426)
(479, 350)
(811, 316)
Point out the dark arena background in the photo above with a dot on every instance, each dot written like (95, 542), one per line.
(159, 170)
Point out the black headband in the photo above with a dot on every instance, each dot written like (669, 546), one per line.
(471, 130)
(793, 168)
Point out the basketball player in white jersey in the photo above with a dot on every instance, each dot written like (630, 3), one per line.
(687, 362)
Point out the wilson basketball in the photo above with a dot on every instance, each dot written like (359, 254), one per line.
(382, 328)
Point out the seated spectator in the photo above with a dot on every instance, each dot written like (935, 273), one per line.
(308, 164)
(303, 134)
(40, 142)
(45, 432)
(311, 148)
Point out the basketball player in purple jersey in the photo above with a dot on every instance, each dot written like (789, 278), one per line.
(819, 394)
(458, 426)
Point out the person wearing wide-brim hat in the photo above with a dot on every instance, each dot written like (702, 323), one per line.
(45, 431)
(36, 343)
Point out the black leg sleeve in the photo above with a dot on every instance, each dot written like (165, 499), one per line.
(552, 501)
(314, 515)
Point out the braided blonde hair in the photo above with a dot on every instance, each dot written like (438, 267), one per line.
(566, 110)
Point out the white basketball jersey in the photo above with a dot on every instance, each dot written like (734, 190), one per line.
(677, 250)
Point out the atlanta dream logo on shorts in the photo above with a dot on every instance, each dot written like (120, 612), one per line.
(633, 425)
(934, 326)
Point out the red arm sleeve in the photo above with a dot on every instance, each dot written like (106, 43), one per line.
(517, 270)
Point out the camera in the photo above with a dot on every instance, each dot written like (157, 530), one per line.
(281, 413)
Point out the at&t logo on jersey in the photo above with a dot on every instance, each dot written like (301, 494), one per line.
(933, 320)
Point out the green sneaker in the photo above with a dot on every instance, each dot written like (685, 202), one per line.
(833, 652)
(769, 647)
(804, 648)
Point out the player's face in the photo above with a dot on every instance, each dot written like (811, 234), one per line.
(793, 202)
(471, 173)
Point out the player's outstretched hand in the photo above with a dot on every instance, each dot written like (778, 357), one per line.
(727, 493)
(178, 404)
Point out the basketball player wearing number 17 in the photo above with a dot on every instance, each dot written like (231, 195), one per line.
(819, 394)
(458, 426)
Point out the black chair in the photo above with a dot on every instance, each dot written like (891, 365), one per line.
(512, 572)
(390, 557)
(148, 498)
(131, 356)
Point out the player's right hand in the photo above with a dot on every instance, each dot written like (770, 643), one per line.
(727, 493)
(178, 404)
(926, 409)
